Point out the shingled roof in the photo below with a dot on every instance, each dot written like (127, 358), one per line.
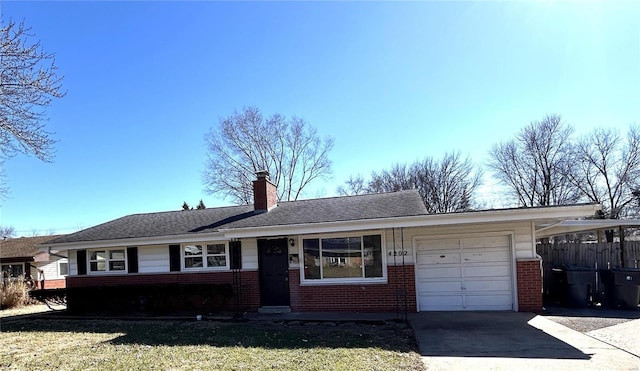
(22, 247)
(320, 210)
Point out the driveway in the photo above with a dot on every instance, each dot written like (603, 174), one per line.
(523, 341)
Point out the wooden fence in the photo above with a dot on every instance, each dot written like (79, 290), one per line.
(605, 254)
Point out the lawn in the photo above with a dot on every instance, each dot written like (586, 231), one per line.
(149, 344)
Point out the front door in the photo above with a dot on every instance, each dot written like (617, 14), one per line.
(274, 272)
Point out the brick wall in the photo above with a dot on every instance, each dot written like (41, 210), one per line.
(529, 276)
(52, 284)
(355, 298)
(249, 282)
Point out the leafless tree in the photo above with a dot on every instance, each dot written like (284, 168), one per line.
(28, 83)
(247, 142)
(353, 186)
(398, 178)
(446, 185)
(7, 232)
(4, 189)
(607, 169)
(534, 166)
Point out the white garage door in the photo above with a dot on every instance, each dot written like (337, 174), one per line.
(464, 273)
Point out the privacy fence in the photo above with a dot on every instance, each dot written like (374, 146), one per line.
(604, 254)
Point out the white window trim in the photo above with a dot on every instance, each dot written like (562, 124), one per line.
(343, 281)
(107, 271)
(66, 261)
(204, 257)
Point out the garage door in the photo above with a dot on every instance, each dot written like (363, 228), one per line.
(464, 273)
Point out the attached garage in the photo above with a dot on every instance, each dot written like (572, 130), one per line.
(473, 272)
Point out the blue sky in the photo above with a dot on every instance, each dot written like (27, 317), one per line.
(391, 82)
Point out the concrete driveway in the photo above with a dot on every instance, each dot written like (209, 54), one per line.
(522, 341)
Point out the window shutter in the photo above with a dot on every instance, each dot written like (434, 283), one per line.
(235, 255)
(174, 258)
(132, 259)
(81, 259)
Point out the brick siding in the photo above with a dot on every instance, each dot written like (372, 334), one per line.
(529, 276)
(249, 282)
(356, 298)
(52, 284)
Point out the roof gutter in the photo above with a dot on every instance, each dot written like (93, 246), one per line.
(552, 214)
(139, 241)
(577, 226)
(473, 217)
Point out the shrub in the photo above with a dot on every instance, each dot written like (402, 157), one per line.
(14, 294)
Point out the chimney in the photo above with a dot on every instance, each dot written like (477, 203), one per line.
(265, 195)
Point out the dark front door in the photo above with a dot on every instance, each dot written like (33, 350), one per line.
(274, 272)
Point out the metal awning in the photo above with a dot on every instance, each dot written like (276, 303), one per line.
(575, 226)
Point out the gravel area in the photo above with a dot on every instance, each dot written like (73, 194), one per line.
(589, 319)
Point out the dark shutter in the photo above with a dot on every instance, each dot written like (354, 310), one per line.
(81, 259)
(235, 255)
(132, 259)
(174, 258)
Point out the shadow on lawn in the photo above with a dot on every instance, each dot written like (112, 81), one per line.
(392, 336)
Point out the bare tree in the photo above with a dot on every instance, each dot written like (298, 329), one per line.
(446, 185)
(7, 232)
(608, 169)
(534, 166)
(397, 178)
(353, 186)
(4, 189)
(28, 83)
(247, 142)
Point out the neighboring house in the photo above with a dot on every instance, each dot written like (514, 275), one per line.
(376, 252)
(20, 258)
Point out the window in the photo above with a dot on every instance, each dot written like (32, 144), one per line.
(107, 260)
(12, 271)
(212, 255)
(63, 268)
(343, 258)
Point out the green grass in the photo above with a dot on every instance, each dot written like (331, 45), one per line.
(117, 345)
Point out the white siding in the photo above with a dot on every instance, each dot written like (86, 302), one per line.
(250, 253)
(153, 259)
(50, 268)
(521, 231)
(73, 263)
(398, 247)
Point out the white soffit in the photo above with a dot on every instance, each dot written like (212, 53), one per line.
(575, 226)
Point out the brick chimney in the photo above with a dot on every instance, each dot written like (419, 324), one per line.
(265, 195)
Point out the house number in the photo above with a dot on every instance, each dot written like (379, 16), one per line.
(398, 253)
